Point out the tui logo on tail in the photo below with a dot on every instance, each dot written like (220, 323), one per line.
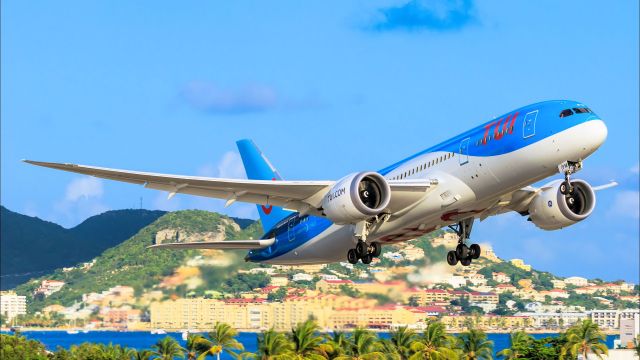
(267, 209)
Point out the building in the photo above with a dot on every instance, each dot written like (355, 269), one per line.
(12, 305)
(48, 287)
(412, 252)
(629, 330)
(326, 286)
(519, 263)
(393, 256)
(487, 321)
(488, 253)
(576, 281)
(483, 297)
(610, 319)
(503, 288)
(548, 320)
(555, 293)
(302, 277)
(426, 297)
(448, 240)
(501, 277)
(279, 280)
(558, 284)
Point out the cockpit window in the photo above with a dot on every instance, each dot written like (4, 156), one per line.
(566, 112)
(582, 110)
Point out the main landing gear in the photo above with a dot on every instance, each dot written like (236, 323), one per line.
(365, 252)
(568, 168)
(463, 253)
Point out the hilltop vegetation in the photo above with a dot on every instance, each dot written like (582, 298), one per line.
(132, 264)
(30, 246)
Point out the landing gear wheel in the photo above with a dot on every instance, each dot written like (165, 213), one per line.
(462, 251)
(564, 188)
(361, 249)
(367, 259)
(352, 257)
(474, 251)
(452, 258)
(465, 262)
(376, 249)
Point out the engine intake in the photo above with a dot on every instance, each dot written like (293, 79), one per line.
(356, 197)
(552, 210)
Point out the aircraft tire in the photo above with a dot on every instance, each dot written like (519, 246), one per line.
(377, 249)
(452, 258)
(462, 251)
(352, 257)
(465, 262)
(361, 249)
(367, 259)
(474, 251)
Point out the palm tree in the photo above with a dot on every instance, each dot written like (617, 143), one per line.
(194, 346)
(402, 338)
(519, 340)
(112, 352)
(338, 342)
(363, 345)
(168, 349)
(475, 345)
(273, 345)
(307, 344)
(140, 354)
(584, 338)
(434, 343)
(222, 338)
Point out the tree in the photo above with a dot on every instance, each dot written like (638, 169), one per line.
(168, 349)
(402, 338)
(307, 344)
(273, 345)
(433, 344)
(193, 346)
(475, 345)
(339, 344)
(277, 295)
(519, 342)
(140, 354)
(222, 338)
(363, 345)
(15, 347)
(584, 338)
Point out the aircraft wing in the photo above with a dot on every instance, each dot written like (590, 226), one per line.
(228, 245)
(303, 196)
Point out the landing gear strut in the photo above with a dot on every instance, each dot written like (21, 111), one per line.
(365, 251)
(463, 253)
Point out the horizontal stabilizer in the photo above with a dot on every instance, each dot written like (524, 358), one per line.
(230, 245)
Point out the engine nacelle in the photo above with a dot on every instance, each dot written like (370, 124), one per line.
(356, 197)
(552, 210)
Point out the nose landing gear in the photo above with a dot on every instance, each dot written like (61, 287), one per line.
(463, 253)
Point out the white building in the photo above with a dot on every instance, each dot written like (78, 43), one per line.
(576, 281)
(302, 277)
(12, 305)
(329, 277)
(393, 256)
(501, 277)
(553, 319)
(610, 319)
(48, 287)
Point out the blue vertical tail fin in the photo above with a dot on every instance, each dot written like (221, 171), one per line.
(258, 167)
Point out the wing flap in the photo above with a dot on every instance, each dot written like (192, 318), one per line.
(222, 245)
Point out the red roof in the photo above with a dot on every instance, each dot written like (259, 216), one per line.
(243, 301)
(435, 291)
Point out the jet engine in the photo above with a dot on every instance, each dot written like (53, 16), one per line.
(356, 197)
(552, 210)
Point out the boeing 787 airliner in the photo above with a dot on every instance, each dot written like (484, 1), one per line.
(483, 172)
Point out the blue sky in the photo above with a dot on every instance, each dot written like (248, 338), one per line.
(325, 88)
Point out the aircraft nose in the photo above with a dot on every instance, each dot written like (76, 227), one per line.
(595, 135)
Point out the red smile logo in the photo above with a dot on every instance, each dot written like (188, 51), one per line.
(267, 209)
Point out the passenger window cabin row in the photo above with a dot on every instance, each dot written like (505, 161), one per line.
(423, 166)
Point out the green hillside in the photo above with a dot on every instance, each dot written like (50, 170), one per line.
(132, 264)
(30, 246)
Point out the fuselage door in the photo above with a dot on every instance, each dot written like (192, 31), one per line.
(529, 124)
(464, 151)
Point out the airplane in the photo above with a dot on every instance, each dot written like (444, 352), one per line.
(483, 172)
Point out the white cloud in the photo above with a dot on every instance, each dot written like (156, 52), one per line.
(84, 187)
(626, 204)
(82, 199)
